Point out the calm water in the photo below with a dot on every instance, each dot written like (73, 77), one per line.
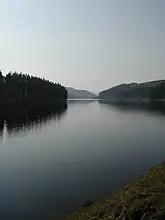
(51, 165)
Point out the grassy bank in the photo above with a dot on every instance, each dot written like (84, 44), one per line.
(145, 196)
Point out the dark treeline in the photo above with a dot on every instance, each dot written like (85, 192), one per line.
(22, 88)
(154, 91)
(158, 92)
(20, 118)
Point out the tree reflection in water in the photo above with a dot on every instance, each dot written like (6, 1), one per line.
(27, 118)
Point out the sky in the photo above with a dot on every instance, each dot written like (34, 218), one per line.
(85, 44)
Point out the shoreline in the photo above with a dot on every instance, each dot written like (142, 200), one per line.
(134, 101)
(144, 196)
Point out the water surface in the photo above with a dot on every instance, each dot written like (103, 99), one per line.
(51, 164)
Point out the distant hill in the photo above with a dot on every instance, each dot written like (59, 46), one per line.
(78, 94)
(135, 92)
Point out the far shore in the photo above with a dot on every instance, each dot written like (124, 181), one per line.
(135, 101)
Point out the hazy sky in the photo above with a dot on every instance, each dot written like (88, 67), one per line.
(91, 44)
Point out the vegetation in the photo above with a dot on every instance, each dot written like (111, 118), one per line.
(22, 88)
(158, 92)
(152, 91)
(136, 201)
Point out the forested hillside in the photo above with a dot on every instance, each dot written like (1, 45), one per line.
(23, 88)
(79, 94)
(148, 91)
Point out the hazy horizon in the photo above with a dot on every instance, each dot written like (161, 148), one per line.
(84, 44)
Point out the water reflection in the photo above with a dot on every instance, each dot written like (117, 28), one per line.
(157, 108)
(1, 127)
(28, 118)
(81, 101)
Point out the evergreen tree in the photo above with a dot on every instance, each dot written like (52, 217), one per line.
(32, 90)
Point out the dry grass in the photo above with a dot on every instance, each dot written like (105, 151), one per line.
(146, 195)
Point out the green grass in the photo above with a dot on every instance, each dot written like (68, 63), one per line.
(145, 195)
